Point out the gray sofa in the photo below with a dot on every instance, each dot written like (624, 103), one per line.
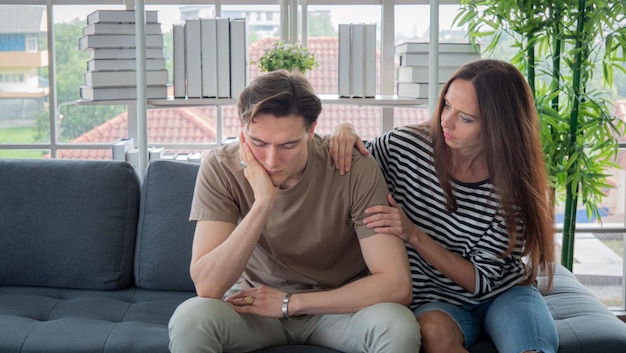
(93, 260)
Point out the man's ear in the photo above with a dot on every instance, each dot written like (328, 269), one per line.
(312, 130)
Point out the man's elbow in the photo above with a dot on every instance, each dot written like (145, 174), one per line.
(208, 291)
(203, 287)
(404, 294)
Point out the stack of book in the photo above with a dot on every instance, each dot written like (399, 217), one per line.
(413, 73)
(109, 36)
(210, 58)
(357, 60)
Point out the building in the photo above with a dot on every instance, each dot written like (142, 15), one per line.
(22, 90)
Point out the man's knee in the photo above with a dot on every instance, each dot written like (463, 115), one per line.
(395, 322)
(194, 322)
(196, 310)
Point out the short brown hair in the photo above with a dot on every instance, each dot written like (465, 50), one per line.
(279, 93)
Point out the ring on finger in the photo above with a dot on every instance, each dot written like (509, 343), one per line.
(249, 300)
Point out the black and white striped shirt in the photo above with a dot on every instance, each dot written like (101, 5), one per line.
(475, 231)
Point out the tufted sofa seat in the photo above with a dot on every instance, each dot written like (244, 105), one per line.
(93, 259)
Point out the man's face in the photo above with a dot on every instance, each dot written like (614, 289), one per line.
(280, 146)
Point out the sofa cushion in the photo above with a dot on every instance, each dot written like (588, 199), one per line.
(67, 320)
(165, 234)
(67, 223)
(584, 323)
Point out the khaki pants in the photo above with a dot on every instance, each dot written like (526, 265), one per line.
(211, 325)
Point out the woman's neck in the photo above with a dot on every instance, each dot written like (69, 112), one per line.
(469, 168)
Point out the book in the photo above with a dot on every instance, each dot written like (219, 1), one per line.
(344, 60)
(178, 37)
(124, 53)
(445, 59)
(120, 147)
(120, 28)
(424, 47)
(192, 58)
(117, 41)
(422, 73)
(132, 157)
(119, 16)
(155, 153)
(123, 64)
(223, 57)
(124, 78)
(208, 56)
(238, 56)
(356, 55)
(120, 93)
(369, 58)
(414, 89)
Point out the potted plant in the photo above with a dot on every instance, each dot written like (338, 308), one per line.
(287, 56)
(559, 44)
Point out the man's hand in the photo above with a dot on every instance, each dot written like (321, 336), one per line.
(262, 301)
(340, 145)
(255, 173)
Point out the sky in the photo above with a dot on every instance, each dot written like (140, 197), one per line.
(410, 19)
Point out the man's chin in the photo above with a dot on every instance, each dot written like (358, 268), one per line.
(277, 181)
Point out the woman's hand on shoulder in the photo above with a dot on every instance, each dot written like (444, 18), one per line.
(340, 145)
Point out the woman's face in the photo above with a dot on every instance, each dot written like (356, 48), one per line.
(460, 118)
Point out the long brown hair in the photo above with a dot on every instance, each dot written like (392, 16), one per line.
(512, 144)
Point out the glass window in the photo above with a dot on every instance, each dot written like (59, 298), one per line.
(81, 123)
(323, 40)
(23, 76)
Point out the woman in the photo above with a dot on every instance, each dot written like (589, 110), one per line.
(470, 199)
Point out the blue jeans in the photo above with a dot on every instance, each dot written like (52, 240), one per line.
(517, 320)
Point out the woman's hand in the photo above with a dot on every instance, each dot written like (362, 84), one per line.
(255, 173)
(390, 220)
(340, 145)
(262, 301)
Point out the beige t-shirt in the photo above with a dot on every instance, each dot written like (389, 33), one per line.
(310, 241)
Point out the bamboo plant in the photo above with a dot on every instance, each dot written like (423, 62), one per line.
(559, 46)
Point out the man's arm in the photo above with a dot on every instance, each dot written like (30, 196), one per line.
(221, 251)
(390, 281)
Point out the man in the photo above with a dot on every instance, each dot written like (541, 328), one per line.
(277, 224)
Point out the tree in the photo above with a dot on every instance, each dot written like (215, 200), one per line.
(559, 44)
(70, 67)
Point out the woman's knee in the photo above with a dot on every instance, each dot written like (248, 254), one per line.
(521, 310)
(439, 329)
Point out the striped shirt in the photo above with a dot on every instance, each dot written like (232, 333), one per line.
(476, 230)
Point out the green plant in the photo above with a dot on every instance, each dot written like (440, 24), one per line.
(559, 44)
(288, 56)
